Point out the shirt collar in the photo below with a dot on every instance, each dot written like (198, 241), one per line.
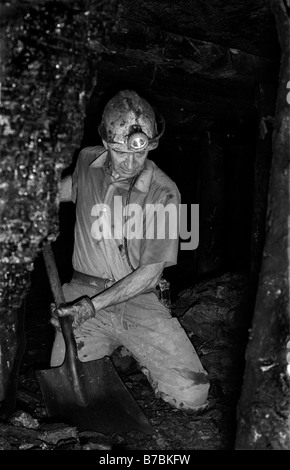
(145, 176)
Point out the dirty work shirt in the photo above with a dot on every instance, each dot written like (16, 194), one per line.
(101, 227)
(142, 324)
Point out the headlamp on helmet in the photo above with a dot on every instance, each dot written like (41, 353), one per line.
(129, 123)
(137, 140)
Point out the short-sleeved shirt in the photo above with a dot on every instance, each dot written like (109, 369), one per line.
(110, 214)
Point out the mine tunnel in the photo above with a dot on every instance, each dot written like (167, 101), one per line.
(218, 74)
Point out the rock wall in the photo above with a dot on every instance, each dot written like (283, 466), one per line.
(49, 56)
(264, 407)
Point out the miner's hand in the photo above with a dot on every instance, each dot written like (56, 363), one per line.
(80, 310)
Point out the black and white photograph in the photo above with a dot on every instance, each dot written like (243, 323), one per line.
(145, 228)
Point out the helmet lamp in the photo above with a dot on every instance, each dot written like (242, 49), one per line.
(137, 141)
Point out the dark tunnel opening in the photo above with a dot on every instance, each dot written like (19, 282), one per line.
(215, 169)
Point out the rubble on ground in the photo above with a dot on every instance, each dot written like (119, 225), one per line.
(215, 314)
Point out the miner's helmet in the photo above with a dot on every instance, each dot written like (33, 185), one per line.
(129, 123)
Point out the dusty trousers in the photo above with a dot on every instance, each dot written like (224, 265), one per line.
(155, 339)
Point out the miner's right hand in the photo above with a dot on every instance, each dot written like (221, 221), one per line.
(80, 310)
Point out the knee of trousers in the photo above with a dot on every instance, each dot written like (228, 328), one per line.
(188, 391)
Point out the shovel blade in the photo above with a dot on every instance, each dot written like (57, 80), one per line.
(108, 406)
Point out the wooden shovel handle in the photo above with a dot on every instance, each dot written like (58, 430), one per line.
(59, 299)
(53, 276)
(65, 323)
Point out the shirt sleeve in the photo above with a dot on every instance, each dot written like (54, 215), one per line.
(77, 172)
(86, 156)
(74, 184)
(161, 230)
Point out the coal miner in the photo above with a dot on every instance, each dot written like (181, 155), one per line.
(123, 241)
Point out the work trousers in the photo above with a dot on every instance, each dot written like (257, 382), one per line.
(145, 327)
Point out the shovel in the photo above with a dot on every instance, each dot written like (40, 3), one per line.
(88, 395)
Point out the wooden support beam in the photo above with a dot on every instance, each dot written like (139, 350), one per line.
(266, 97)
(264, 408)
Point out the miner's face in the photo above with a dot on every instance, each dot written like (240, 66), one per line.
(126, 164)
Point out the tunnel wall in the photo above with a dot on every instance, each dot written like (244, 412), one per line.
(49, 56)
